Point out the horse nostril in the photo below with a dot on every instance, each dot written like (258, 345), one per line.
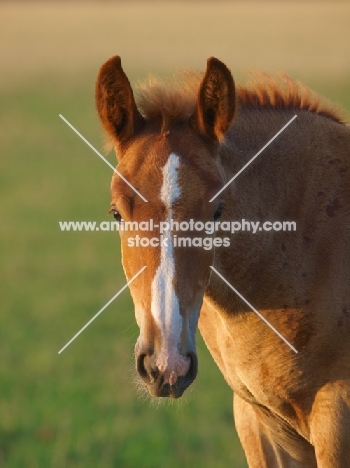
(146, 369)
(192, 371)
(140, 366)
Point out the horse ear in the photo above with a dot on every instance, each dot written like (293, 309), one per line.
(216, 101)
(115, 102)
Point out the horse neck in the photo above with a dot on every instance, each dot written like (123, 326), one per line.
(301, 177)
(272, 188)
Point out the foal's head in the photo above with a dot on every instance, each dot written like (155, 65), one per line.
(171, 159)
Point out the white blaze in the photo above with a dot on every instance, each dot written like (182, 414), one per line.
(165, 303)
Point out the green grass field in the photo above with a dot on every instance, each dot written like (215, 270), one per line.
(82, 408)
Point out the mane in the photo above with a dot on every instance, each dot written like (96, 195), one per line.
(174, 100)
(282, 92)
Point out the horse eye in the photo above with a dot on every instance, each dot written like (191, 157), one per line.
(116, 215)
(218, 212)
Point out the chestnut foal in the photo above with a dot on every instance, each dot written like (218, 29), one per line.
(178, 147)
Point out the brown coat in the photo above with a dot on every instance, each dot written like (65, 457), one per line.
(291, 409)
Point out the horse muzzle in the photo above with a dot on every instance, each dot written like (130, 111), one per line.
(166, 378)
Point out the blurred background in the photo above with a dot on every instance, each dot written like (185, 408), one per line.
(82, 408)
